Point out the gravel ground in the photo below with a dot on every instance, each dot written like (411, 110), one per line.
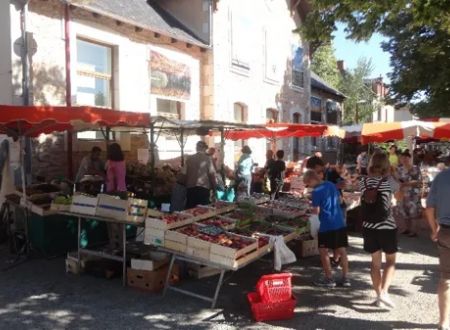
(38, 294)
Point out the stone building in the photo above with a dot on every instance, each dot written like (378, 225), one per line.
(231, 60)
(132, 56)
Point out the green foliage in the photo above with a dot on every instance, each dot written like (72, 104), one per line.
(323, 63)
(359, 104)
(418, 40)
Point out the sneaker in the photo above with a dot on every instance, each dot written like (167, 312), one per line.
(345, 283)
(324, 282)
(386, 300)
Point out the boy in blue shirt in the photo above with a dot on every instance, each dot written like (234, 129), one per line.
(332, 231)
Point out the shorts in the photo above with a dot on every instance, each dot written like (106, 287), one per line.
(333, 239)
(444, 252)
(380, 240)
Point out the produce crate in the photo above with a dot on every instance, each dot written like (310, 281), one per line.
(176, 236)
(276, 208)
(236, 263)
(198, 253)
(169, 221)
(175, 246)
(154, 237)
(84, 204)
(223, 207)
(112, 207)
(152, 281)
(200, 212)
(220, 221)
(137, 210)
(153, 213)
(271, 311)
(233, 253)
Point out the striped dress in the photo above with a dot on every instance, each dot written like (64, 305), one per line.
(387, 188)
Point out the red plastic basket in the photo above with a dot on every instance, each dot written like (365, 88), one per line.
(275, 287)
(262, 311)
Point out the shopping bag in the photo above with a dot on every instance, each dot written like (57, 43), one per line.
(314, 225)
(282, 254)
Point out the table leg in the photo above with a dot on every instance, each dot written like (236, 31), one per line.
(124, 255)
(219, 285)
(169, 273)
(78, 241)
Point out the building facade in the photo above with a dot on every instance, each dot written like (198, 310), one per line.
(105, 53)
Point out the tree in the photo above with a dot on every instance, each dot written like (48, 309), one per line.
(418, 40)
(359, 104)
(323, 63)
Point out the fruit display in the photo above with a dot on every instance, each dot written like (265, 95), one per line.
(220, 222)
(62, 200)
(199, 212)
(294, 201)
(167, 221)
(287, 222)
(223, 207)
(278, 208)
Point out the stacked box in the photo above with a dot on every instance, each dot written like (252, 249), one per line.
(152, 281)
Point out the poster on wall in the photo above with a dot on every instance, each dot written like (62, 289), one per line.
(169, 78)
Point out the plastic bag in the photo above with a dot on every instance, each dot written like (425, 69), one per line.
(282, 254)
(314, 225)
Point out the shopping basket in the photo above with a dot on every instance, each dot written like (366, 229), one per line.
(263, 311)
(275, 287)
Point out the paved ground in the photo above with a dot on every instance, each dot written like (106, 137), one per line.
(39, 295)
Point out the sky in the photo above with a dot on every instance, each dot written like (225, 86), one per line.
(350, 51)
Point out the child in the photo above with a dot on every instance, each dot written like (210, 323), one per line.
(332, 231)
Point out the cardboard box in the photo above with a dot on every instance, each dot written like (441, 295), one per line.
(152, 281)
(307, 248)
(156, 260)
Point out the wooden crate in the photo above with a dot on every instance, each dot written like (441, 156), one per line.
(176, 236)
(154, 240)
(198, 253)
(197, 217)
(60, 207)
(112, 207)
(237, 263)
(198, 243)
(224, 207)
(231, 223)
(159, 223)
(83, 204)
(137, 210)
(175, 246)
(231, 252)
(152, 281)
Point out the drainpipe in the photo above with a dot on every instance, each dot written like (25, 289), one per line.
(68, 87)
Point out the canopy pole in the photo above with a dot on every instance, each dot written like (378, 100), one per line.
(152, 148)
(68, 87)
(222, 153)
(182, 146)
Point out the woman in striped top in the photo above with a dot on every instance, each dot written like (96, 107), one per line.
(380, 234)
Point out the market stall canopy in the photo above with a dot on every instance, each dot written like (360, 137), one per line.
(282, 130)
(35, 120)
(382, 132)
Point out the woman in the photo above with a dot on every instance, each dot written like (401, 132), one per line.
(379, 228)
(244, 170)
(409, 209)
(115, 169)
(393, 157)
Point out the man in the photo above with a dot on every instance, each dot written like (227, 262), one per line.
(276, 174)
(438, 216)
(200, 177)
(304, 167)
(91, 165)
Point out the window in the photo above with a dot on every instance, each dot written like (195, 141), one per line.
(170, 109)
(332, 109)
(316, 110)
(94, 79)
(242, 38)
(297, 67)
